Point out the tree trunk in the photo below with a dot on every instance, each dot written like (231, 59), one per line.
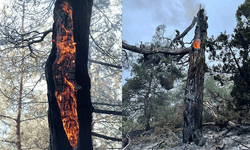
(68, 82)
(192, 128)
(147, 107)
(19, 109)
(147, 113)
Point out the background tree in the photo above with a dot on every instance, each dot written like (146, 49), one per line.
(232, 55)
(153, 75)
(19, 77)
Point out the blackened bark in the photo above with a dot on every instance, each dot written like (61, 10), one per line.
(192, 128)
(81, 21)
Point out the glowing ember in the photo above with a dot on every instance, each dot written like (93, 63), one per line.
(197, 43)
(64, 75)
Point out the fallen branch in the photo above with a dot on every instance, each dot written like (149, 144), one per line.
(240, 129)
(241, 143)
(129, 141)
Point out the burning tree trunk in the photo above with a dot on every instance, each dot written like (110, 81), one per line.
(70, 108)
(193, 103)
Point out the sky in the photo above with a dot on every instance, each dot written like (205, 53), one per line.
(141, 17)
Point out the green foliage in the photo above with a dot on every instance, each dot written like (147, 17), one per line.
(129, 125)
(154, 75)
(241, 90)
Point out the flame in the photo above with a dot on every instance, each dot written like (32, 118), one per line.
(197, 43)
(64, 76)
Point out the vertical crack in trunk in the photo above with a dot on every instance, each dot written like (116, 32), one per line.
(193, 106)
(64, 73)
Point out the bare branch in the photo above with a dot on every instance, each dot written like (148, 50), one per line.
(106, 137)
(95, 103)
(107, 112)
(8, 117)
(8, 141)
(33, 118)
(106, 64)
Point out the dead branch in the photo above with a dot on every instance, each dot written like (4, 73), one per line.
(8, 141)
(107, 112)
(240, 129)
(129, 141)
(106, 64)
(185, 31)
(8, 117)
(241, 143)
(106, 137)
(209, 104)
(135, 49)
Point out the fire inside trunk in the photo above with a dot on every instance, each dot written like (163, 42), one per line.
(197, 43)
(64, 75)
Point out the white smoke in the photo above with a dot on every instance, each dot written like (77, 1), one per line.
(168, 11)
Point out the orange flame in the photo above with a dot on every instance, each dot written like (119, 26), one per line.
(64, 76)
(197, 43)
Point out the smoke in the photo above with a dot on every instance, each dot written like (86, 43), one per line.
(167, 11)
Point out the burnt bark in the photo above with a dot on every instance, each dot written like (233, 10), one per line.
(193, 102)
(81, 15)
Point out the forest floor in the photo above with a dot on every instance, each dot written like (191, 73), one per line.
(170, 137)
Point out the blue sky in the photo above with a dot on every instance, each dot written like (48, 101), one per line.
(141, 17)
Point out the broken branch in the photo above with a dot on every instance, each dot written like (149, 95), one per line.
(185, 31)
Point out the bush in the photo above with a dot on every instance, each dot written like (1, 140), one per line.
(129, 125)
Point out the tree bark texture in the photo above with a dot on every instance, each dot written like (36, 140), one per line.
(193, 106)
(68, 82)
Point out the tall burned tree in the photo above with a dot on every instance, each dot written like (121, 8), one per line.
(70, 108)
(192, 130)
(193, 103)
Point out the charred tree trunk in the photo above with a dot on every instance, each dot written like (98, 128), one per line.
(68, 82)
(192, 128)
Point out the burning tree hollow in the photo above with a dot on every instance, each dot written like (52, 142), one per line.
(64, 75)
(68, 83)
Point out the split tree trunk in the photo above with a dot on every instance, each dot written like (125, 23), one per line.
(81, 15)
(193, 106)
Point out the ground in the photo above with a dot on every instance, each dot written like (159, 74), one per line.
(170, 137)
